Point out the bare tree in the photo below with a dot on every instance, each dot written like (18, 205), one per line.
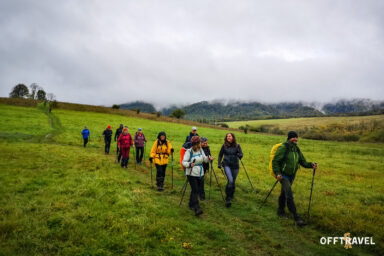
(34, 88)
(51, 97)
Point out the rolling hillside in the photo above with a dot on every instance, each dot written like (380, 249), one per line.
(58, 198)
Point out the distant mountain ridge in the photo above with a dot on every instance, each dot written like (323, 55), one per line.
(256, 110)
(143, 106)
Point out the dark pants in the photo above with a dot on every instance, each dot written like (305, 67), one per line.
(231, 176)
(139, 154)
(117, 149)
(85, 141)
(160, 175)
(124, 162)
(286, 197)
(107, 144)
(195, 183)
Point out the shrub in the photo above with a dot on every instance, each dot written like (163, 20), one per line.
(114, 106)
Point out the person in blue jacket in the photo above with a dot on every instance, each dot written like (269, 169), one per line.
(86, 135)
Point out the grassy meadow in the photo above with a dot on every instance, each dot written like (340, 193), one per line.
(58, 198)
(344, 128)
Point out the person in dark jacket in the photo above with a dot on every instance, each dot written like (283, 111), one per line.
(191, 134)
(107, 134)
(285, 164)
(139, 144)
(207, 152)
(125, 142)
(86, 135)
(117, 135)
(231, 151)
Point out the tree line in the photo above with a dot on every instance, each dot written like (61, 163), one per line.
(35, 92)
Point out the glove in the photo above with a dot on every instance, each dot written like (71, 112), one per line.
(172, 150)
(150, 159)
(239, 155)
(219, 166)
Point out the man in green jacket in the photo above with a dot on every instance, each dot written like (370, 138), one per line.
(285, 164)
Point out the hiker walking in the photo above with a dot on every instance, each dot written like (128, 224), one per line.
(117, 135)
(191, 134)
(139, 144)
(86, 135)
(193, 161)
(107, 134)
(285, 164)
(231, 151)
(207, 152)
(125, 142)
(160, 152)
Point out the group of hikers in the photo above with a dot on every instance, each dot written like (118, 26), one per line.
(196, 159)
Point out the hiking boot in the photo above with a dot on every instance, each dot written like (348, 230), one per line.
(198, 211)
(228, 203)
(300, 222)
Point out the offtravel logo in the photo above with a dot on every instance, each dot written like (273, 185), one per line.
(347, 240)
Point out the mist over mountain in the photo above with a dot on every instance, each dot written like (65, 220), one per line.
(236, 110)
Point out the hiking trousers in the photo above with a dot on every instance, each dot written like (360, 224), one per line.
(107, 144)
(160, 175)
(139, 154)
(231, 174)
(195, 183)
(85, 141)
(286, 197)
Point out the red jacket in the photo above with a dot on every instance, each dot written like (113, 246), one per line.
(125, 141)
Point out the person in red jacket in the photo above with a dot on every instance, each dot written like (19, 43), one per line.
(125, 142)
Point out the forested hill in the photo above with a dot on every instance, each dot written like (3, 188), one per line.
(255, 110)
(143, 106)
(238, 111)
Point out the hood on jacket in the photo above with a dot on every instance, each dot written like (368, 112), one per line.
(161, 134)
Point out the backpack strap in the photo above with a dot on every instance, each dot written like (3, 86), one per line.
(286, 152)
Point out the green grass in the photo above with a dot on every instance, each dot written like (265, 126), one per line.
(303, 122)
(355, 128)
(57, 198)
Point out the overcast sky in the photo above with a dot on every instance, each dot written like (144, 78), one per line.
(165, 52)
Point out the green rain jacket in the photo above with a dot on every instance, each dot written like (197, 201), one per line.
(294, 158)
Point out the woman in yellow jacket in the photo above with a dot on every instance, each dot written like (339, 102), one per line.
(160, 152)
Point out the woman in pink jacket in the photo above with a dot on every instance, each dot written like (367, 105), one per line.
(125, 142)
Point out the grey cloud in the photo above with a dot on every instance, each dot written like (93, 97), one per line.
(165, 52)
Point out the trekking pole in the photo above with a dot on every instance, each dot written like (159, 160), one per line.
(134, 155)
(145, 145)
(265, 200)
(151, 176)
(185, 188)
(210, 180)
(253, 189)
(182, 188)
(310, 196)
(172, 170)
(218, 184)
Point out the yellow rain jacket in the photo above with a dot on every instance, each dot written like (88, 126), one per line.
(161, 153)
